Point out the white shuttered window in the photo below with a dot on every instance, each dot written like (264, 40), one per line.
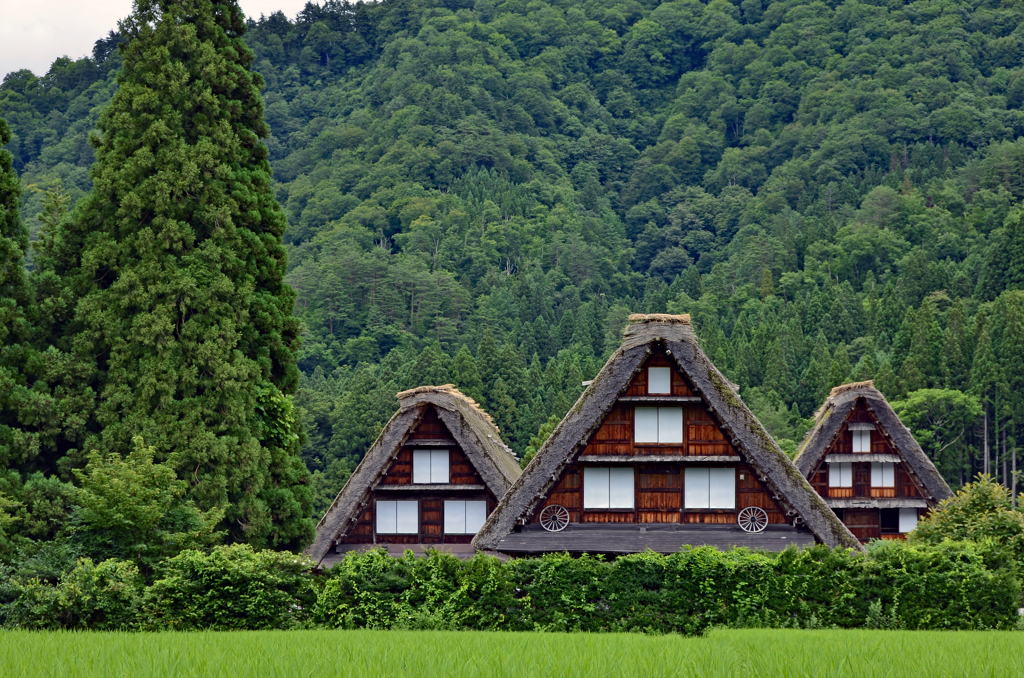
(658, 425)
(398, 517)
(840, 474)
(710, 488)
(607, 487)
(908, 519)
(430, 466)
(862, 442)
(659, 380)
(883, 474)
(464, 517)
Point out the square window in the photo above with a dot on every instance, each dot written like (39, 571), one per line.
(883, 474)
(659, 380)
(397, 517)
(840, 474)
(430, 466)
(710, 488)
(658, 425)
(464, 517)
(607, 487)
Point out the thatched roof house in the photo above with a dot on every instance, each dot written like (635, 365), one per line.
(659, 452)
(867, 465)
(434, 473)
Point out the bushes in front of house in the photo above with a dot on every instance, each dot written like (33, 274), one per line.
(952, 585)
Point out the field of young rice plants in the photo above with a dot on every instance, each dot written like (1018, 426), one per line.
(732, 653)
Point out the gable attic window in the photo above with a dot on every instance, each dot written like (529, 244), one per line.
(464, 517)
(607, 488)
(430, 466)
(658, 425)
(659, 380)
(861, 437)
(398, 517)
(710, 488)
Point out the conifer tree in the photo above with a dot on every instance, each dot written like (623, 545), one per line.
(177, 262)
(984, 379)
(867, 367)
(956, 349)
(777, 375)
(487, 362)
(886, 380)
(925, 349)
(431, 368)
(839, 370)
(505, 413)
(891, 311)
(466, 375)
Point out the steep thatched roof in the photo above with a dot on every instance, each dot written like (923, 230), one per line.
(829, 419)
(472, 428)
(746, 432)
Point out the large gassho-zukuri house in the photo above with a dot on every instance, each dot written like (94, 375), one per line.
(433, 475)
(867, 465)
(659, 452)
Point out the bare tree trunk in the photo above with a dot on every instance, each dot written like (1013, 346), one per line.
(1006, 482)
(985, 464)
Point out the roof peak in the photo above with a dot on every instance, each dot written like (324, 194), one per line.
(444, 389)
(852, 386)
(659, 318)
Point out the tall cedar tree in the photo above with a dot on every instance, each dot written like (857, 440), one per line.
(177, 262)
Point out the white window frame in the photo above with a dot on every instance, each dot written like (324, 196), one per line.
(397, 517)
(883, 474)
(464, 516)
(662, 377)
(669, 425)
(711, 487)
(430, 467)
(908, 519)
(861, 442)
(840, 474)
(608, 487)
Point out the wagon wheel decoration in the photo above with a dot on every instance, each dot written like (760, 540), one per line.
(554, 518)
(752, 519)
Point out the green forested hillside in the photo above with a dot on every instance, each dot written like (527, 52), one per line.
(480, 192)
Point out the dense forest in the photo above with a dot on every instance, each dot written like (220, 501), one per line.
(481, 192)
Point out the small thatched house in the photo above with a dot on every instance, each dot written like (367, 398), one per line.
(866, 464)
(659, 452)
(437, 470)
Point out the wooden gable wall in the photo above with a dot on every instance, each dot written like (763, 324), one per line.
(431, 502)
(659, 468)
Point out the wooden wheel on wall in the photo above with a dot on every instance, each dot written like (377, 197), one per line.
(554, 518)
(752, 519)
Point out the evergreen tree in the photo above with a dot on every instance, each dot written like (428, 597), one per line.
(767, 284)
(488, 362)
(777, 375)
(867, 367)
(902, 340)
(925, 351)
(177, 262)
(431, 368)
(886, 380)
(956, 349)
(466, 375)
(566, 329)
(984, 379)
(891, 311)
(506, 414)
(839, 370)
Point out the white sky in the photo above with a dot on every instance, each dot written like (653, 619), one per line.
(33, 33)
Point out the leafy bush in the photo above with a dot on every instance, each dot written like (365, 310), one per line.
(232, 587)
(103, 597)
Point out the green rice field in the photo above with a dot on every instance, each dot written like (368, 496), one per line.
(436, 653)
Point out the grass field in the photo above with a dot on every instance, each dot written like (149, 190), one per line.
(822, 654)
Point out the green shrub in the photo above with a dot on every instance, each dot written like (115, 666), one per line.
(103, 597)
(232, 587)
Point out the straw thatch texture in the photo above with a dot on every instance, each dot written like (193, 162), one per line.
(831, 416)
(472, 428)
(748, 435)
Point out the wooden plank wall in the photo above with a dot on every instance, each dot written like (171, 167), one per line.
(658, 490)
(431, 503)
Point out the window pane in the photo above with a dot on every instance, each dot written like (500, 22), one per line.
(595, 487)
(840, 474)
(659, 380)
(908, 519)
(386, 523)
(847, 471)
(439, 466)
(476, 516)
(876, 473)
(670, 424)
(697, 488)
(862, 442)
(455, 517)
(722, 488)
(646, 425)
(888, 475)
(620, 488)
(421, 466)
(408, 517)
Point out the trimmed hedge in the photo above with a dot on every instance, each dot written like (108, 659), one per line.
(953, 585)
(894, 585)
